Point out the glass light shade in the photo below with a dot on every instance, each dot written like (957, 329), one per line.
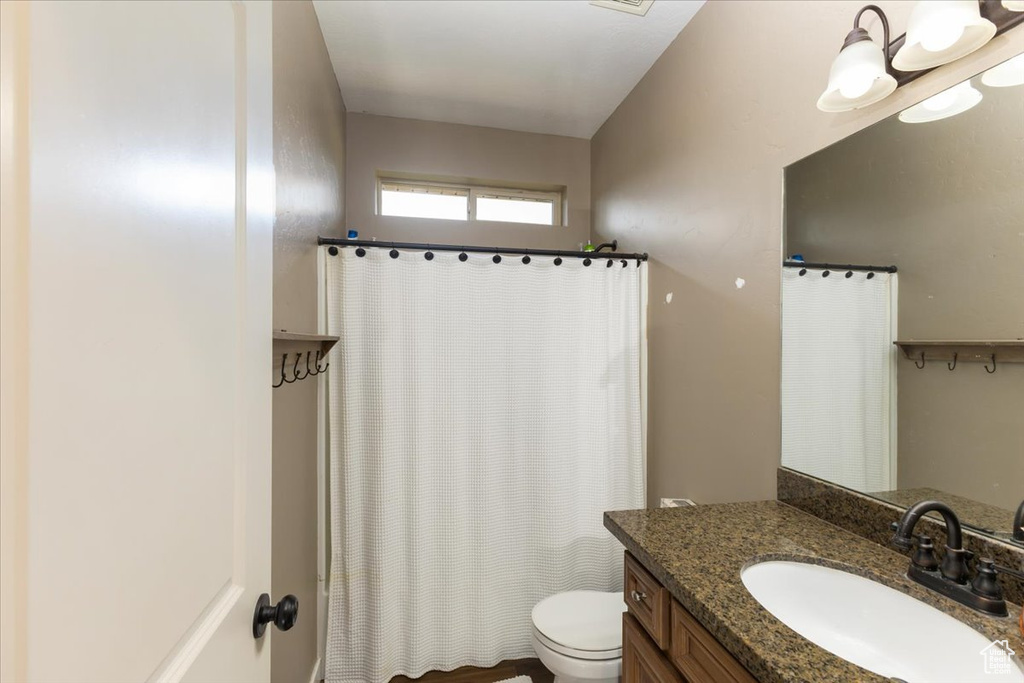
(956, 100)
(941, 31)
(1005, 75)
(1014, 5)
(857, 78)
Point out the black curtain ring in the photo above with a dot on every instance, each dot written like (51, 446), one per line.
(284, 359)
(393, 253)
(608, 264)
(558, 260)
(496, 258)
(952, 366)
(526, 259)
(921, 366)
(826, 273)
(587, 262)
(360, 252)
(993, 365)
(870, 275)
(463, 257)
(849, 274)
(333, 251)
(623, 263)
(803, 271)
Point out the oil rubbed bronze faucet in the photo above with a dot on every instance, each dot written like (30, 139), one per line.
(950, 576)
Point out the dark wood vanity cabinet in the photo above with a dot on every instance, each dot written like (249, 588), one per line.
(663, 643)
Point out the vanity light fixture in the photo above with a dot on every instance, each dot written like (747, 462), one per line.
(1005, 75)
(860, 72)
(951, 102)
(939, 32)
(942, 31)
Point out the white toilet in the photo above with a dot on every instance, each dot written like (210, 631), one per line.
(578, 636)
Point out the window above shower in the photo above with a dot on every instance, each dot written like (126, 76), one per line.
(463, 201)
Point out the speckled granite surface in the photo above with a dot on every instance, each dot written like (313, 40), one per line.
(870, 518)
(698, 553)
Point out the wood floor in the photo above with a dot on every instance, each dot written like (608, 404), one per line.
(470, 674)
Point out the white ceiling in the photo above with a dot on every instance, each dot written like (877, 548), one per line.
(543, 66)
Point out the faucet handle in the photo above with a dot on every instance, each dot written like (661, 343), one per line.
(985, 582)
(924, 557)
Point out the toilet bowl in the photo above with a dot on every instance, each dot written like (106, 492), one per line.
(578, 636)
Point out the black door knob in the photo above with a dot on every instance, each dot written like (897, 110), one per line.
(283, 614)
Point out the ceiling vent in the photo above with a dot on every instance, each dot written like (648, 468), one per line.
(638, 7)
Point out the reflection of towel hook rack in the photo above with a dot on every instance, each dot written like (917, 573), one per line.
(921, 366)
(952, 366)
(993, 365)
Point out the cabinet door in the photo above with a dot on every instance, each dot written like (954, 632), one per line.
(642, 661)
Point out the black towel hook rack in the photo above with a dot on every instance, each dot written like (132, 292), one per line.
(301, 346)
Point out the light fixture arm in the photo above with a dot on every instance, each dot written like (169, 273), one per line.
(858, 34)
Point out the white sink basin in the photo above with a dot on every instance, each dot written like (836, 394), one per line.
(874, 626)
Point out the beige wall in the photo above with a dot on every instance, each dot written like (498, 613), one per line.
(689, 169)
(944, 201)
(309, 159)
(383, 143)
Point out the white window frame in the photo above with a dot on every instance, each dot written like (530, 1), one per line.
(473, 192)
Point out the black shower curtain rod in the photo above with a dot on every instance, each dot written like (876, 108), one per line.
(418, 246)
(839, 266)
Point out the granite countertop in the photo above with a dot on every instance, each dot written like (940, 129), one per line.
(698, 553)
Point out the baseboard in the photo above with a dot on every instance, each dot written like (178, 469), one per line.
(315, 675)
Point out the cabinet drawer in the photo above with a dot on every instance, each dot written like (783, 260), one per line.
(642, 661)
(700, 657)
(647, 600)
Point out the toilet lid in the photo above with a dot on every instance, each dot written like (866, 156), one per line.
(582, 620)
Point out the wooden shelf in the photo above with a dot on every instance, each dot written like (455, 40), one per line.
(284, 340)
(967, 351)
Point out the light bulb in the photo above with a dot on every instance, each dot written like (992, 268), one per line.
(940, 35)
(856, 83)
(940, 101)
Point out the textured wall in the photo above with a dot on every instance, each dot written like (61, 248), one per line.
(383, 143)
(689, 168)
(309, 159)
(944, 201)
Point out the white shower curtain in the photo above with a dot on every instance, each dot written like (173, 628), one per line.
(482, 418)
(838, 372)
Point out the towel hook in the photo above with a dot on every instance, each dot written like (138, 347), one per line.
(321, 356)
(952, 366)
(921, 366)
(284, 358)
(295, 369)
(310, 373)
(993, 365)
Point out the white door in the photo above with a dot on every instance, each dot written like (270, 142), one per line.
(138, 200)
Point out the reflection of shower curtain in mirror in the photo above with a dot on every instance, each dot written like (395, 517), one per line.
(838, 376)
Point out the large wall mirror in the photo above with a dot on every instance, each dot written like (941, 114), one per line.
(921, 220)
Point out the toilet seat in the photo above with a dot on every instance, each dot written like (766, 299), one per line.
(581, 624)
